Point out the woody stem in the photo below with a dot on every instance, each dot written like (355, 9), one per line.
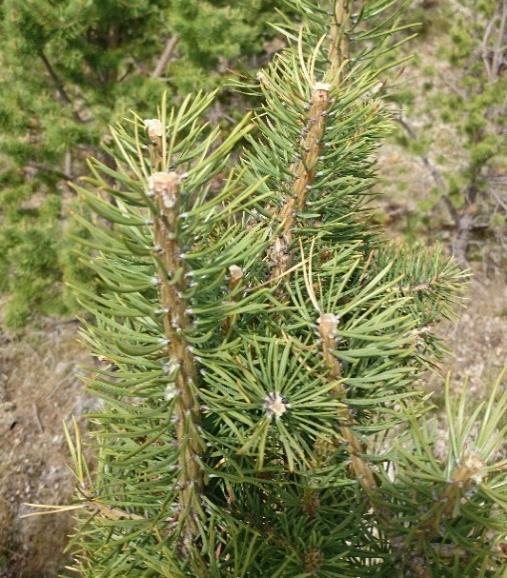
(166, 188)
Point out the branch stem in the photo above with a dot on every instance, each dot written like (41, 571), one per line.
(360, 468)
(167, 189)
(304, 170)
(165, 57)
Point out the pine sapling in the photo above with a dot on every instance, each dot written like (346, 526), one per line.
(262, 345)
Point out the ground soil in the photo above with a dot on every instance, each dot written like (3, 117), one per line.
(39, 390)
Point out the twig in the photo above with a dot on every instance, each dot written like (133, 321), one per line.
(59, 85)
(497, 52)
(484, 47)
(166, 189)
(434, 172)
(466, 222)
(54, 77)
(502, 202)
(165, 57)
(51, 170)
(452, 86)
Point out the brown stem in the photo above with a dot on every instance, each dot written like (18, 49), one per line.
(339, 46)
(59, 85)
(165, 57)
(434, 172)
(328, 322)
(466, 220)
(499, 49)
(50, 170)
(304, 171)
(328, 334)
(56, 80)
(166, 187)
(462, 238)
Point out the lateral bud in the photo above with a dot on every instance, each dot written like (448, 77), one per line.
(153, 127)
(166, 185)
(328, 330)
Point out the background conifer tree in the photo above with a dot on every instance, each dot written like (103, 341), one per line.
(69, 70)
(261, 344)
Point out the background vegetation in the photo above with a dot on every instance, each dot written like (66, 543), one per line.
(71, 69)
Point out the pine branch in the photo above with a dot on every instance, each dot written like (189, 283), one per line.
(166, 187)
(280, 253)
(328, 331)
(339, 44)
(467, 488)
(312, 136)
(244, 398)
(304, 171)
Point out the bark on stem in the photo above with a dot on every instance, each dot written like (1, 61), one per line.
(339, 46)
(166, 188)
(407, 550)
(328, 324)
(304, 170)
(165, 57)
(304, 173)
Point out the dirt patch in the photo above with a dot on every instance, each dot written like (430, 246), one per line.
(477, 340)
(39, 389)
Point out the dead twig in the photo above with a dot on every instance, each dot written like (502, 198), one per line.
(165, 57)
(434, 172)
(499, 49)
(64, 96)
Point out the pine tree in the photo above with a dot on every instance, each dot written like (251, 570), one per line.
(261, 344)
